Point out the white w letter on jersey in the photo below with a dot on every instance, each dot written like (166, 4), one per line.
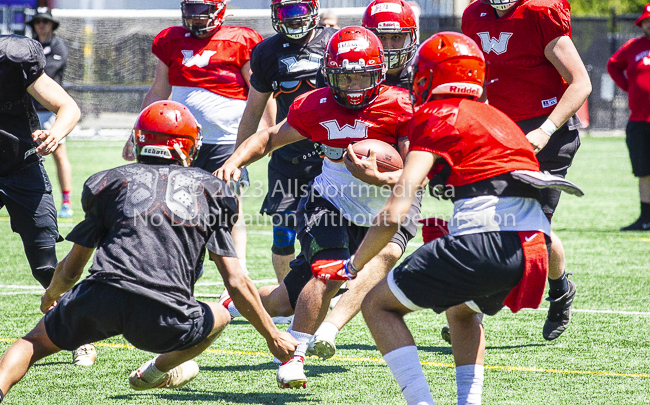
(293, 65)
(358, 131)
(199, 60)
(489, 43)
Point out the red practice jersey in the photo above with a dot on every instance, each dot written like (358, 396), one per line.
(317, 116)
(521, 82)
(630, 69)
(477, 140)
(212, 63)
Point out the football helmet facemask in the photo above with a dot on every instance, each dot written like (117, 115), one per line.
(501, 5)
(447, 63)
(202, 17)
(393, 17)
(294, 18)
(354, 67)
(167, 130)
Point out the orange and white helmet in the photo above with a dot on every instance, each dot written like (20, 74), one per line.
(167, 130)
(447, 63)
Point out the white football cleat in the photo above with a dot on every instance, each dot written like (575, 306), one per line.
(84, 355)
(291, 374)
(321, 347)
(282, 320)
(177, 377)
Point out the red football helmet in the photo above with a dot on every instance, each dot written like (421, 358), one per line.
(354, 67)
(447, 63)
(168, 130)
(294, 18)
(202, 17)
(393, 17)
(500, 4)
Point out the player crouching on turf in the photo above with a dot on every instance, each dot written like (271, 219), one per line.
(339, 207)
(151, 223)
(497, 249)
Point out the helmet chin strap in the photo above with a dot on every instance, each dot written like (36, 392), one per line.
(182, 155)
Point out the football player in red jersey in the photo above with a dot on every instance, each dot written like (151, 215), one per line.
(496, 252)
(394, 23)
(207, 65)
(537, 78)
(284, 67)
(344, 198)
(629, 67)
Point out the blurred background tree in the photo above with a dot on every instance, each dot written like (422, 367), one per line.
(602, 7)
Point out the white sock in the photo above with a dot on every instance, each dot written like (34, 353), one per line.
(150, 373)
(405, 365)
(234, 312)
(327, 331)
(242, 263)
(469, 384)
(303, 340)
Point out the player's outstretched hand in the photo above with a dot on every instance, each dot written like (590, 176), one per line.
(127, 151)
(282, 346)
(48, 142)
(365, 170)
(538, 139)
(47, 302)
(227, 172)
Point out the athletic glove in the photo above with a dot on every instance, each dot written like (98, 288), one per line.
(325, 270)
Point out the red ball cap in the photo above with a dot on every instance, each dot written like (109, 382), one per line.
(644, 15)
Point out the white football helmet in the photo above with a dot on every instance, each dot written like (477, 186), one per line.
(500, 4)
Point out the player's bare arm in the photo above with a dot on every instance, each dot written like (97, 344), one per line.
(562, 53)
(245, 296)
(67, 273)
(268, 110)
(417, 166)
(52, 96)
(160, 90)
(256, 147)
(255, 107)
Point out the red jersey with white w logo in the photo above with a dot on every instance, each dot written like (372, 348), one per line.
(521, 82)
(317, 116)
(212, 63)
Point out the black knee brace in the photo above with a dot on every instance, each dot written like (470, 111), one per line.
(42, 261)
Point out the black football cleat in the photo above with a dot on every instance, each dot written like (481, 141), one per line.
(559, 313)
(641, 224)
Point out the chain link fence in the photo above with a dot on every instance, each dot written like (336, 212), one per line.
(111, 65)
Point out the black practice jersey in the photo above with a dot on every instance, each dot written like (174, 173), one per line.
(21, 63)
(288, 70)
(151, 225)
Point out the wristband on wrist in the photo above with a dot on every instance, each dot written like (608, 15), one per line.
(548, 127)
(351, 274)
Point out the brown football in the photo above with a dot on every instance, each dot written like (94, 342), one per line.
(388, 158)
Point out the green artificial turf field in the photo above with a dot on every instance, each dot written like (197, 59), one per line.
(603, 358)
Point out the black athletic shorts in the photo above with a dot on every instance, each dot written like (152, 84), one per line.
(556, 157)
(321, 227)
(211, 157)
(27, 194)
(92, 311)
(638, 144)
(286, 189)
(480, 267)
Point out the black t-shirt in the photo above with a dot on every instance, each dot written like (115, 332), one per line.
(151, 225)
(56, 58)
(288, 70)
(21, 63)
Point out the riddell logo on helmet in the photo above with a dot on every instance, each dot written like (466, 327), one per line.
(388, 25)
(464, 90)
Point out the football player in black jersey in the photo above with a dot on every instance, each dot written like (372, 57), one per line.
(284, 66)
(150, 223)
